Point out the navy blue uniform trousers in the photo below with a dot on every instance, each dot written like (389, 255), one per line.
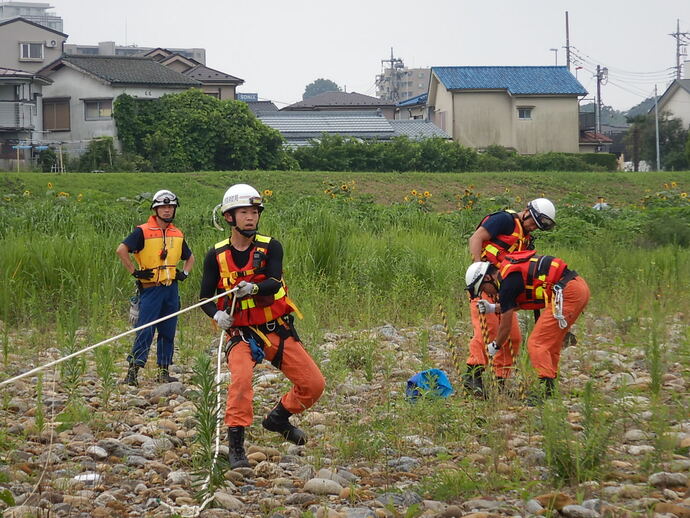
(154, 303)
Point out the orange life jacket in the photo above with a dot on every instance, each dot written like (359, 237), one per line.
(157, 240)
(255, 309)
(496, 248)
(539, 274)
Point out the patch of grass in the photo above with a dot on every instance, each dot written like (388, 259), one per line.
(577, 457)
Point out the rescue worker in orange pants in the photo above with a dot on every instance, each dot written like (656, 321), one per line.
(499, 234)
(526, 280)
(158, 246)
(261, 326)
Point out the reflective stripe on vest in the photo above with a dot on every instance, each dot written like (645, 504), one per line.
(156, 240)
(255, 309)
(539, 274)
(495, 249)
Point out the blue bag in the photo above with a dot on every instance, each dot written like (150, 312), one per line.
(258, 354)
(433, 381)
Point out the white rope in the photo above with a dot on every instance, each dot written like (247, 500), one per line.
(558, 307)
(112, 339)
(192, 511)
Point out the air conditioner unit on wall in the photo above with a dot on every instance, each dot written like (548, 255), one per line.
(51, 43)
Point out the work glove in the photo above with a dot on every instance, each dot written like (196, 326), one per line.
(484, 307)
(134, 311)
(493, 348)
(223, 319)
(181, 275)
(145, 275)
(246, 288)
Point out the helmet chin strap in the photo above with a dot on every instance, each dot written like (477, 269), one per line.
(247, 233)
(167, 220)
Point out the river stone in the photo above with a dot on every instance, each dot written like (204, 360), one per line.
(166, 390)
(680, 511)
(227, 501)
(665, 479)
(116, 447)
(179, 477)
(406, 499)
(480, 504)
(330, 475)
(358, 512)
(578, 511)
(322, 486)
(533, 507)
(22, 511)
(301, 499)
(135, 439)
(153, 448)
(97, 452)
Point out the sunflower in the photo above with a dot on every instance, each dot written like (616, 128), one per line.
(427, 194)
(50, 185)
(344, 187)
(268, 193)
(27, 193)
(413, 192)
(683, 194)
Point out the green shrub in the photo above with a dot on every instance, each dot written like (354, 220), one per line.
(606, 160)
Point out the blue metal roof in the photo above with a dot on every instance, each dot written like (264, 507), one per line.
(413, 101)
(517, 80)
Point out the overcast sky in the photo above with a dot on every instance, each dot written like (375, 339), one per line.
(278, 47)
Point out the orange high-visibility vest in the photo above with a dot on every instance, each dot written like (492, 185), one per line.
(254, 309)
(539, 274)
(160, 242)
(496, 248)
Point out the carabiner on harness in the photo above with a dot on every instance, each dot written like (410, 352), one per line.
(558, 306)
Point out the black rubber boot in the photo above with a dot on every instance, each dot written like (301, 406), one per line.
(277, 421)
(131, 378)
(236, 456)
(472, 381)
(164, 375)
(546, 389)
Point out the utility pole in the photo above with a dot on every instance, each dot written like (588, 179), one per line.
(679, 46)
(394, 63)
(656, 120)
(567, 41)
(602, 74)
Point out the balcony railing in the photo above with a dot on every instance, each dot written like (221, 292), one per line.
(17, 115)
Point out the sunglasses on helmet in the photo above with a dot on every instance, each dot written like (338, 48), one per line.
(544, 222)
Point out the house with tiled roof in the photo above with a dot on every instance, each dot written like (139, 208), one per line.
(412, 108)
(214, 82)
(78, 105)
(300, 128)
(346, 101)
(676, 99)
(531, 109)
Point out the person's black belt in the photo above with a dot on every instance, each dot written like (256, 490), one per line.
(568, 276)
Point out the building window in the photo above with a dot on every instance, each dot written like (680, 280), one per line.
(31, 51)
(98, 110)
(56, 114)
(524, 113)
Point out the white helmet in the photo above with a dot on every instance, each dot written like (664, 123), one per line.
(474, 277)
(164, 197)
(543, 212)
(241, 195)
